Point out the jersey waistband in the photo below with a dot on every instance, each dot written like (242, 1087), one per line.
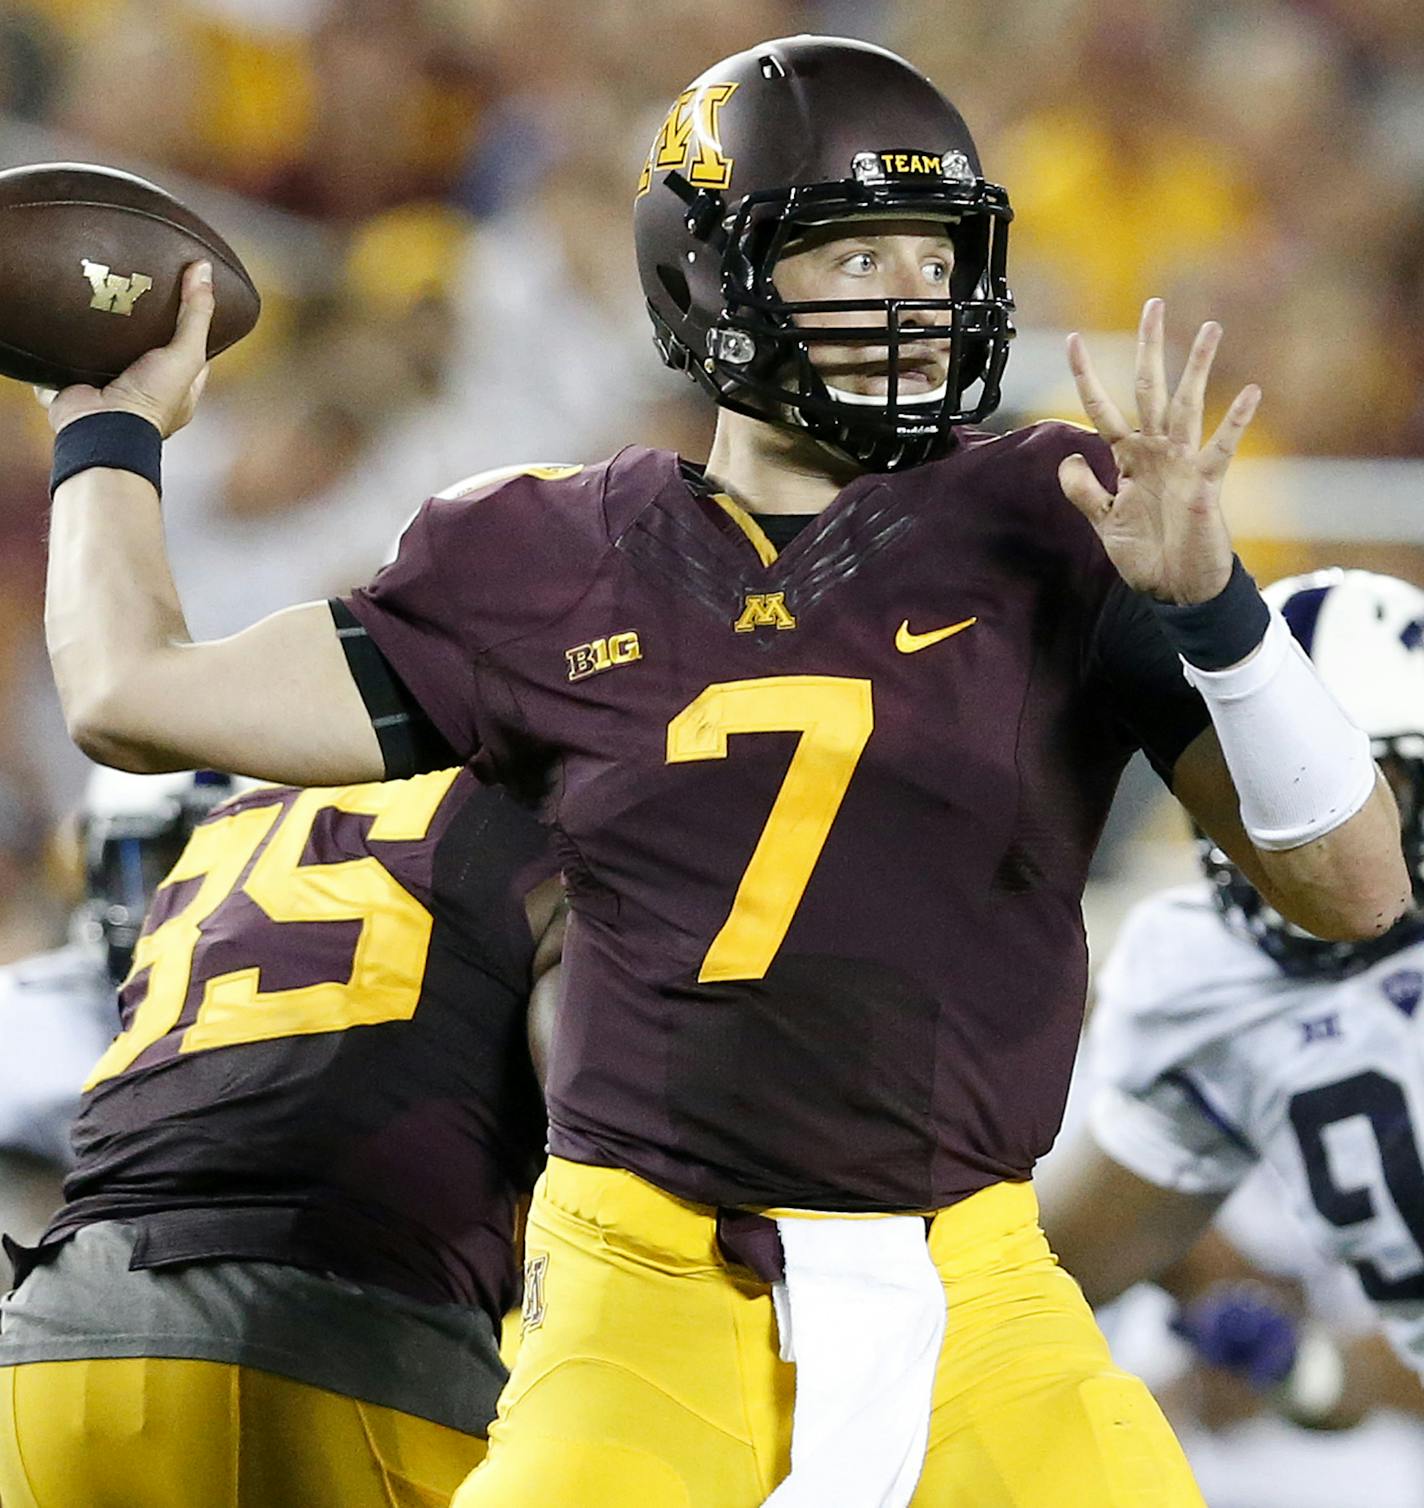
(321, 1239)
(962, 1238)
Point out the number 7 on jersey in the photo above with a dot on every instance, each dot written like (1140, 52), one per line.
(834, 716)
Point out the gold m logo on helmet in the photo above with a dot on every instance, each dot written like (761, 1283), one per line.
(764, 610)
(114, 294)
(690, 142)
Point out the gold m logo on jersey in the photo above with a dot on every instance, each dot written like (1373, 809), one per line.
(690, 141)
(764, 610)
(531, 1314)
(602, 654)
(114, 294)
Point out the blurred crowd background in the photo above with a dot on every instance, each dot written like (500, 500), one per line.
(434, 197)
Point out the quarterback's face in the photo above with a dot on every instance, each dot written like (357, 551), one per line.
(871, 259)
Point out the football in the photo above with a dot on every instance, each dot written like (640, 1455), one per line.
(90, 261)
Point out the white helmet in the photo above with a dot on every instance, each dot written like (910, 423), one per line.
(131, 830)
(1364, 634)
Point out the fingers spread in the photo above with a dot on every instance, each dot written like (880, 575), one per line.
(1216, 457)
(1151, 369)
(1185, 415)
(1083, 489)
(1107, 420)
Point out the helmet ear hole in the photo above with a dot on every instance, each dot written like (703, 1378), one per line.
(675, 285)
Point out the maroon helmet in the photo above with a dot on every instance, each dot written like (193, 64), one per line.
(799, 132)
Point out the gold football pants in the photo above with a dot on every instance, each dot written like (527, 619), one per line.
(649, 1373)
(159, 1433)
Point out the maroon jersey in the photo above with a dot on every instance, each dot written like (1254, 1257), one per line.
(825, 816)
(324, 1059)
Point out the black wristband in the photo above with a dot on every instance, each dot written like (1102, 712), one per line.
(119, 441)
(1221, 631)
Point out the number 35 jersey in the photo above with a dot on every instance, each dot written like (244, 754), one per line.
(324, 1060)
(824, 815)
(1210, 1060)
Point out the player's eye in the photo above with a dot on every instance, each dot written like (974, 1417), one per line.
(936, 270)
(859, 263)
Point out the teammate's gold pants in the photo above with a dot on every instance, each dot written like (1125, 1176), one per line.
(648, 1374)
(159, 1433)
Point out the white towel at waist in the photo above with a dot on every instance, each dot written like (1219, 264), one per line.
(862, 1314)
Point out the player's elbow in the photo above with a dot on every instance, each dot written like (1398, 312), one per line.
(1361, 918)
(1350, 885)
(1353, 913)
(101, 723)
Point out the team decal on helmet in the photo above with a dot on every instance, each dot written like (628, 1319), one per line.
(880, 167)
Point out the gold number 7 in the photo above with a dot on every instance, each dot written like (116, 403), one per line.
(834, 716)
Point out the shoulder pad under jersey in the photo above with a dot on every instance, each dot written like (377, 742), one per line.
(483, 482)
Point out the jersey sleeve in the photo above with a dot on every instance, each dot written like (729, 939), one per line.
(1132, 660)
(1168, 1134)
(421, 631)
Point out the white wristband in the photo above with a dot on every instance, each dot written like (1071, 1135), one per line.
(1300, 766)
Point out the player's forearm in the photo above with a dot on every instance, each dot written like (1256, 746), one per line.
(1109, 1227)
(1349, 884)
(113, 621)
(1294, 775)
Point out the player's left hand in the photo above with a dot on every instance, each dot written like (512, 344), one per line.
(1164, 529)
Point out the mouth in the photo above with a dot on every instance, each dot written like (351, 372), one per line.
(921, 366)
(914, 377)
(917, 378)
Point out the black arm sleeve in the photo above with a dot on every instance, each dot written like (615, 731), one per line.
(410, 742)
(1141, 674)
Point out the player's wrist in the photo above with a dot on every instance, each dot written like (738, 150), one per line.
(1222, 631)
(114, 439)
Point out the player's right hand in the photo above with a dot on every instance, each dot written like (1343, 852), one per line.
(162, 386)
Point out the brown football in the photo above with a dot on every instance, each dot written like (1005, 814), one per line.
(90, 264)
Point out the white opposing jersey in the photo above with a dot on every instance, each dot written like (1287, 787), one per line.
(1211, 1060)
(57, 1015)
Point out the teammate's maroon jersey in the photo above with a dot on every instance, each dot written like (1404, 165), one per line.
(825, 816)
(324, 1060)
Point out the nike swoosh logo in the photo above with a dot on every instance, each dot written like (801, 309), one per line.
(908, 643)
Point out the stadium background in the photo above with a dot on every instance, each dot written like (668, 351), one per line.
(434, 198)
